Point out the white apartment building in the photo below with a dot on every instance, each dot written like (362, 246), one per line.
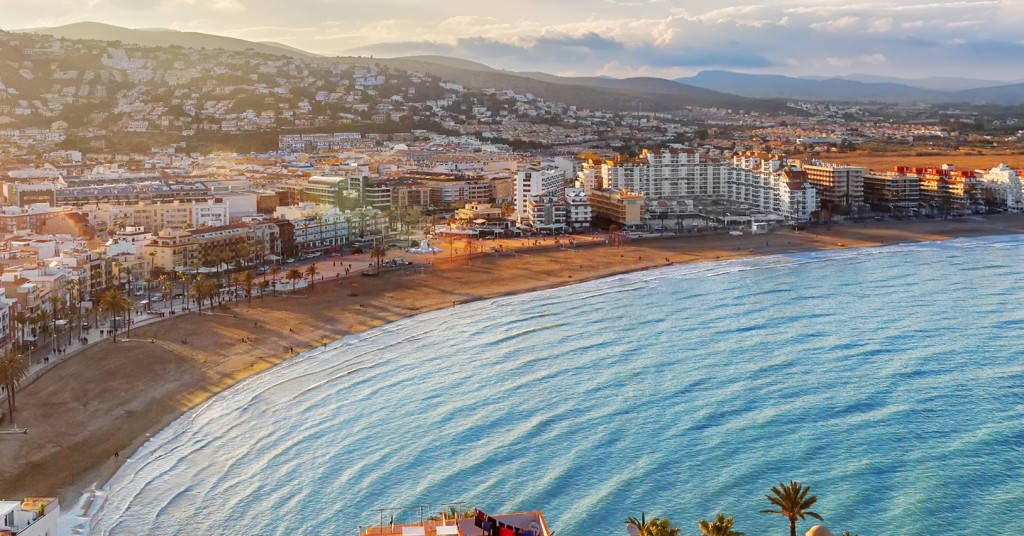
(751, 181)
(578, 212)
(33, 516)
(534, 181)
(546, 213)
(589, 177)
(6, 311)
(1004, 184)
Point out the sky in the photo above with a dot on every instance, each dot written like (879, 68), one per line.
(982, 39)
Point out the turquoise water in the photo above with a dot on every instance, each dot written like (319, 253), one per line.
(888, 379)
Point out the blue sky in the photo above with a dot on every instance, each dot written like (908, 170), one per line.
(911, 38)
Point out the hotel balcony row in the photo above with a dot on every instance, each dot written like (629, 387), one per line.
(516, 524)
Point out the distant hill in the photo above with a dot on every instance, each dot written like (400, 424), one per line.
(630, 94)
(1006, 94)
(652, 94)
(938, 83)
(156, 37)
(768, 86)
(760, 92)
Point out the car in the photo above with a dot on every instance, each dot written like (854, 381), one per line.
(157, 298)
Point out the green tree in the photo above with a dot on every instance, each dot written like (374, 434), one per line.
(380, 250)
(115, 304)
(660, 526)
(792, 502)
(56, 313)
(13, 369)
(656, 526)
(293, 275)
(23, 319)
(721, 526)
(311, 272)
(247, 284)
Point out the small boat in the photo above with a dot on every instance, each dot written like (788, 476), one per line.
(736, 233)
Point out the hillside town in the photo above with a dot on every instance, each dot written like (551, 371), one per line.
(118, 173)
(139, 183)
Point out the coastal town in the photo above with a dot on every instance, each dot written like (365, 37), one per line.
(190, 206)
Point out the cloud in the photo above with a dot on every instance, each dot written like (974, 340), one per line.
(666, 37)
(883, 25)
(836, 25)
(580, 50)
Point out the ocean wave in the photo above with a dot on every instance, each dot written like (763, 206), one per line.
(855, 370)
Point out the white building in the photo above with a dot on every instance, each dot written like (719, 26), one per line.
(751, 181)
(589, 177)
(33, 516)
(6, 309)
(1004, 184)
(578, 211)
(534, 181)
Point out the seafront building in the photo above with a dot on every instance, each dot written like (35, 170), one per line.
(752, 181)
(32, 516)
(839, 186)
(546, 180)
(897, 191)
(1003, 184)
(620, 207)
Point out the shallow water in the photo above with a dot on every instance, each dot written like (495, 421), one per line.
(888, 379)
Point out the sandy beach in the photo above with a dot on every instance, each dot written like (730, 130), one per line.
(112, 397)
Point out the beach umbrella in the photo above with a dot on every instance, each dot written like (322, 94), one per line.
(818, 530)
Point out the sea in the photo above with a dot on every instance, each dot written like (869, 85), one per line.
(890, 380)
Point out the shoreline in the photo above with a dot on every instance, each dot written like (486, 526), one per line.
(111, 398)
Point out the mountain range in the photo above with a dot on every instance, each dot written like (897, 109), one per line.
(763, 92)
(768, 86)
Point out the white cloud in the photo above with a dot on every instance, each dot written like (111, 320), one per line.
(836, 25)
(609, 36)
(882, 25)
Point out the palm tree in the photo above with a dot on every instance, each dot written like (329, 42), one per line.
(721, 526)
(311, 272)
(56, 311)
(293, 275)
(642, 526)
(247, 284)
(41, 320)
(792, 502)
(74, 306)
(167, 286)
(378, 253)
(23, 319)
(13, 369)
(185, 284)
(661, 526)
(115, 304)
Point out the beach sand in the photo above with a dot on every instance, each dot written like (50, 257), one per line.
(112, 397)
